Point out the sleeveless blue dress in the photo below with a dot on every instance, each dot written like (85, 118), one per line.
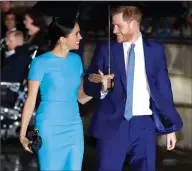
(57, 117)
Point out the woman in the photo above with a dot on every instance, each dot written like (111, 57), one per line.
(58, 73)
(35, 24)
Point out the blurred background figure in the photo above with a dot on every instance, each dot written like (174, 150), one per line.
(15, 67)
(35, 24)
(6, 6)
(10, 25)
(10, 21)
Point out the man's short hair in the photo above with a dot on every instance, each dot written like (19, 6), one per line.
(129, 12)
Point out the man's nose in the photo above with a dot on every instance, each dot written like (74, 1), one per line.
(114, 30)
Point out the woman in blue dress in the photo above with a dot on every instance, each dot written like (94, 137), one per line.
(58, 73)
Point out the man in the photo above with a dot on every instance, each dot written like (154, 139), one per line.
(6, 6)
(10, 24)
(16, 65)
(122, 121)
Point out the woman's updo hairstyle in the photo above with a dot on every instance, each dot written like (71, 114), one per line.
(59, 27)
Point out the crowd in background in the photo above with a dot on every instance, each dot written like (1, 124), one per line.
(21, 35)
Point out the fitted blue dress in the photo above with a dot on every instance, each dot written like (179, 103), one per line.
(57, 117)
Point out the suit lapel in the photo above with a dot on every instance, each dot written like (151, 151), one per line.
(120, 62)
(118, 54)
(146, 56)
(149, 65)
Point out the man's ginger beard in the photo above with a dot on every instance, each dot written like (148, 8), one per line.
(125, 38)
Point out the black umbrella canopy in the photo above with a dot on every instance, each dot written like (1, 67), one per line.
(67, 9)
(70, 8)
(157, 8)
(91, 14)
(96, 14)
(164, 9)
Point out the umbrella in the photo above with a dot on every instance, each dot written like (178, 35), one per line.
(149, 8)
(57, 8)
(96, 14)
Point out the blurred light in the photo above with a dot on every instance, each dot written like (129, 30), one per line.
(17, 123)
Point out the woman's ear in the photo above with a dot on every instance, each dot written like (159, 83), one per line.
(62, 40)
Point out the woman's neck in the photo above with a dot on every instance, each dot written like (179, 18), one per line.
(60, 51)
(33, 30)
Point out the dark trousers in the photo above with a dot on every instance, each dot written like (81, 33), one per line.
(135, 138)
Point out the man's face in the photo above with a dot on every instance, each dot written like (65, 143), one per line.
(12, 42)
(123, 30)
(6, 6)
(10, 21)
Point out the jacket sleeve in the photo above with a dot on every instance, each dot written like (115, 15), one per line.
(164, 85)
(97, 63)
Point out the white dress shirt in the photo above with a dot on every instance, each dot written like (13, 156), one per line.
(141, 92)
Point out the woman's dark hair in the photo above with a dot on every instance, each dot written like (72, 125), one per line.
(59, 27)
(37, 17)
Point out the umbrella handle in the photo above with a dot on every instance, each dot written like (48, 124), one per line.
(112, 85)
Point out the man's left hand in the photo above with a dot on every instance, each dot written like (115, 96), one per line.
(171, 141)
(100, 77)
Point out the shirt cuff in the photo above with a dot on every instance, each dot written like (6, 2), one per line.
(103, 92)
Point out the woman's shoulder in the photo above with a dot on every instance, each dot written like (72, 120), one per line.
(43, 58)
(75, 56)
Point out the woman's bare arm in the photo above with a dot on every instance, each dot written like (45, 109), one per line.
(33, 87)
(82, 97)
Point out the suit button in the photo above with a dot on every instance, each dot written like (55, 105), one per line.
(124, 99)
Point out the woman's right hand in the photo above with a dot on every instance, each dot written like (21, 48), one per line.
(25, 143)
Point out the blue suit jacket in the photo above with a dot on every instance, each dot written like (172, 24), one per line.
(109, 111)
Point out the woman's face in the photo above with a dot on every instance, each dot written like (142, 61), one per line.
(73, 39)
(28, 21)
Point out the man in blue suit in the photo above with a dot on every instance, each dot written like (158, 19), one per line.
(126, 119)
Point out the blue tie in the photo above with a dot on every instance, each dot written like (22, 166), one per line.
(130, 78)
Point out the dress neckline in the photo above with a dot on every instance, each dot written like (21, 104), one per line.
(58, 57)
